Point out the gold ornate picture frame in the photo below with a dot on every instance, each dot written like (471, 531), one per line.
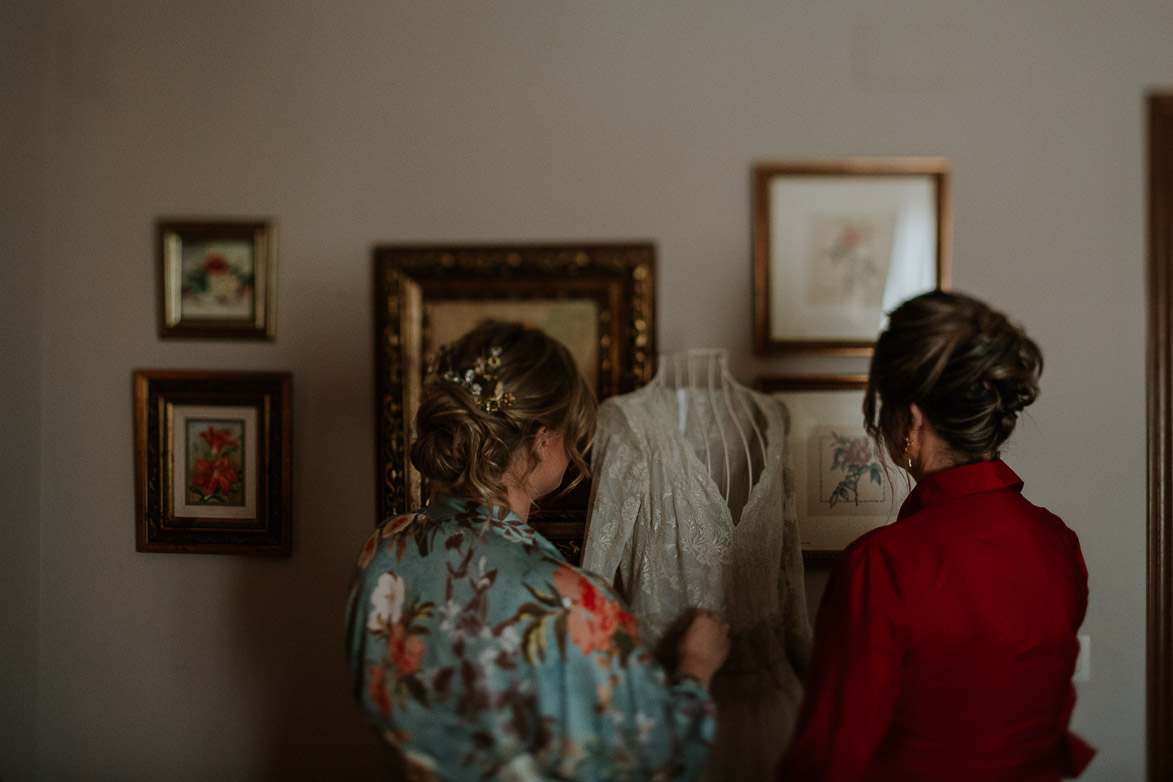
(598, 299)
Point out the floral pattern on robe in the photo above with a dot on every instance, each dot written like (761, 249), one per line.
(480, 653)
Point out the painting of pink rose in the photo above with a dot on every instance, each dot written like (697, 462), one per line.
(218, 279)
(853, 457)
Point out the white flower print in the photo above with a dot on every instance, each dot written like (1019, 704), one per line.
(644, 725)
(510, 641)
(386, 602)
(449, 616)
(480, 582)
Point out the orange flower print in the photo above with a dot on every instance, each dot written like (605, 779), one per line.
(592, 618)
(377, 690)
(398, 524)
(214, 475)
(217, 439)
(405, 650)
(368, 550)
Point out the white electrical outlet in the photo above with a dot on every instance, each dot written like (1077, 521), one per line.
(1083, 663)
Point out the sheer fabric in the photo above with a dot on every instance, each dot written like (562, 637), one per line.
(691, 507)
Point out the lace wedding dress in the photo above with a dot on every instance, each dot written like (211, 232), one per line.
(691, 507)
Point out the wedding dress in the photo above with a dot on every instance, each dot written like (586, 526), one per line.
(692, 506)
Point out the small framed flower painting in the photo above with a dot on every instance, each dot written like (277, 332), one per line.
(212, 462)
(218, 279)
(842, 488)
(838, 244)
(597, 299)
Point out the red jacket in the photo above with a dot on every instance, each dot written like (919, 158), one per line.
(946, 642)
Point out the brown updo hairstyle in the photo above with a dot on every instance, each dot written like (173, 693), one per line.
(467, 449)
(969, 369)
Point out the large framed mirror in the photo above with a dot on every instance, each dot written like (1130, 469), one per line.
(598, 299)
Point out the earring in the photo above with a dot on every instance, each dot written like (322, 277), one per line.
(907, 456)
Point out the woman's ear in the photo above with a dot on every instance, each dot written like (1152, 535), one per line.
(916, 419)
(541, 437)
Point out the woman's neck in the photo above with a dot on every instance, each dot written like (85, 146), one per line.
(519, 501)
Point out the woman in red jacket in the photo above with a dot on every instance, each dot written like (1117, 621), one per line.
(946, 641)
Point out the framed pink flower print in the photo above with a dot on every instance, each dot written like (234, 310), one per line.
(842, 486)
(839, 243)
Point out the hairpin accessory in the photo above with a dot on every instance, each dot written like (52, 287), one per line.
(480, 381)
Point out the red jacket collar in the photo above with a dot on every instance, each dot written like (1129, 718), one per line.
(957, 482)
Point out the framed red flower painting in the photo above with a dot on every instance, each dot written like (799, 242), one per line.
(217, 279)
(212, 462)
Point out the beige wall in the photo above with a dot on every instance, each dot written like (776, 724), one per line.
(522, 120)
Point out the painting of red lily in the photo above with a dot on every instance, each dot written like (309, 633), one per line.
(218, 278)
(213, 462)
(215, 470)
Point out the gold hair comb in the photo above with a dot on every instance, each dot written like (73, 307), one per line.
(481, 382)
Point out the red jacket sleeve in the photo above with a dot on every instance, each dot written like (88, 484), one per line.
(855, 670)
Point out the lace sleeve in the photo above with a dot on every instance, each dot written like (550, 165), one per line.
(620, 481)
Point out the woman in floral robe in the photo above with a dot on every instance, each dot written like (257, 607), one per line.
(475, 648)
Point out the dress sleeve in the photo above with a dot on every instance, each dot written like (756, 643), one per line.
(610, 708)
(855, 671)
(619, 482)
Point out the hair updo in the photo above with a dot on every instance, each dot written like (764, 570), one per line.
(969, 369)
(466, 448)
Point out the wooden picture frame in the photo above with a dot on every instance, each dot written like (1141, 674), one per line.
(598, 299)
(217, 279)
(212, 462)
(1159, 642)
(839, 243)
(842, 488)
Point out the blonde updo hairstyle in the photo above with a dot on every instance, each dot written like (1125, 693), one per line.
(467, 449)
(965, 365)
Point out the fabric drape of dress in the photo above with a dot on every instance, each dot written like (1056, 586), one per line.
(479, 653)
(674, 533)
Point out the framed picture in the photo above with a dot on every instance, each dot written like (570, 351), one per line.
(837, 244)
(597, 299)
(842, 488)
(218, 279)
(212, 462)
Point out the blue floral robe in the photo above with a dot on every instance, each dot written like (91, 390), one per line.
(481, 654)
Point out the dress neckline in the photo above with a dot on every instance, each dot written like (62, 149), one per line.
(766, 476)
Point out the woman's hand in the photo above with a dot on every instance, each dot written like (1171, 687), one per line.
(703, 648)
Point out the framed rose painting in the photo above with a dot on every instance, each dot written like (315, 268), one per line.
(842, 487)
(212, 462)
(840, 243)
(218, 279)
